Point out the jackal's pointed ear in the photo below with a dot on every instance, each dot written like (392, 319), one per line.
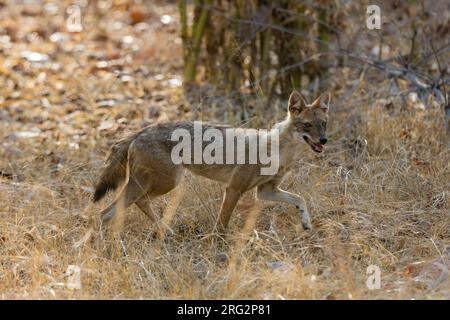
(319, 102)
(296, 102)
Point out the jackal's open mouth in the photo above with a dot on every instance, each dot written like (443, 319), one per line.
(317, 147)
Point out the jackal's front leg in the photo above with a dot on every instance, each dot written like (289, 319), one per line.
(230, 200)
(271, 192)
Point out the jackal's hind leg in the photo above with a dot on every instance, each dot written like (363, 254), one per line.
(144, 206)
(136, 187)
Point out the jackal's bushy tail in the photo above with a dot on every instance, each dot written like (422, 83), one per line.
(115, 168)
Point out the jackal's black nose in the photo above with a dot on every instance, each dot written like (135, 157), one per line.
(323, 140)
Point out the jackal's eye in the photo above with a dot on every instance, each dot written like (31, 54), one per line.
(324, 124)
(307, 126)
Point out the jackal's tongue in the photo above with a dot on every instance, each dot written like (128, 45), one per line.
(318, 147)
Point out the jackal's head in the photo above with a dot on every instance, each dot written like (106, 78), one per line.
(309, 121)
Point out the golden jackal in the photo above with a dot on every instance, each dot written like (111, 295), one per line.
(145, 160)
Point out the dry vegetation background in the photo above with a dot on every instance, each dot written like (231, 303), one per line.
(380, 194)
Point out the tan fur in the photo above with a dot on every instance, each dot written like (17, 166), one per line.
(152, 172)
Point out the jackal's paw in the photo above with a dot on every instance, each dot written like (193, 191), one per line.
(306, 221)
(221, 231)
(168, 230)
(162, 230)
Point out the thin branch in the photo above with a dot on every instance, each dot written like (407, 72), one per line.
(441, 74)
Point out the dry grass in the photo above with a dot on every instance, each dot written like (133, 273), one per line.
(386, 204)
